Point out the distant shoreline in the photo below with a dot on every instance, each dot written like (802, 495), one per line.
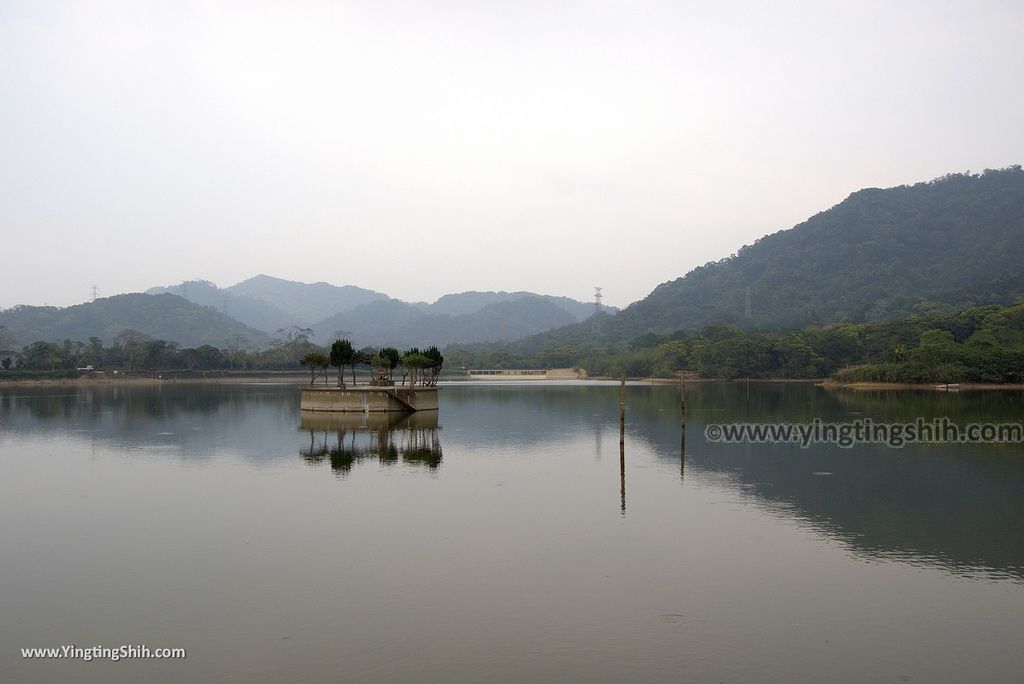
(302, 378)
(282, 377)
(932, 386)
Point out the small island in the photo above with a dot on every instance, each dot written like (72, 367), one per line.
(420, 369)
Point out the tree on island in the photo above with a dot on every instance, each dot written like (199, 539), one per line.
(412, 362)
(316, 361)
(434, 362)
(362, 356)
(384, 363)
(423, 367)
(342, 354)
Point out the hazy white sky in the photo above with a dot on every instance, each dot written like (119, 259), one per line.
(420, 148)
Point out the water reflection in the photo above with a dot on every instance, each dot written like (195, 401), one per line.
(181, 516)
(193, 421)
(955, 506)
(344, 439)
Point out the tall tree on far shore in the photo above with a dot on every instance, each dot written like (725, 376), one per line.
(293, 342)
(132, 341)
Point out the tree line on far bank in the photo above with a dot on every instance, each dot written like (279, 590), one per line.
(132, 351)
(979, 344)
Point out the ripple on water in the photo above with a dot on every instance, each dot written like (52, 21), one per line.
(678, 619)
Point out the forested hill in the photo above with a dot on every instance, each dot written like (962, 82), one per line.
(954, 242)
(164, 316)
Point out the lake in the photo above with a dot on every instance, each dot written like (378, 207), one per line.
(504, 540)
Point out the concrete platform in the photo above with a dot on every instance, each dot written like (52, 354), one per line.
(369, 399)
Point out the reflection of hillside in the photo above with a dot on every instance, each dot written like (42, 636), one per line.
(959, 506)
(962, 407)
(348, 438)
(195, 419)
(489, 416)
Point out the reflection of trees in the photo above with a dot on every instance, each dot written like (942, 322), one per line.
(421, 446)
(197, 418)
(134, 402)
(346, 439)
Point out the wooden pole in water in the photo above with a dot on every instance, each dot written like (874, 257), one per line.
(622, 409)
(682, 426)
(682, 452)
(682, 402)
(622, 478)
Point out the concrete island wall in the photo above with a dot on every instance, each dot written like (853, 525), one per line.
(369, 399)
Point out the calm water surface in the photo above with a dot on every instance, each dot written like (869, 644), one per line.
(503, 540)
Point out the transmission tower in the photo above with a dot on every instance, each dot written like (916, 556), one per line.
(95, 291)
(597, 298)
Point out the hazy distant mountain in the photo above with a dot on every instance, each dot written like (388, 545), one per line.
(471, 302)
(402, 325)
(369, 317)
(304, 302)
(248, 310)
(198, 312)
(162, 316)
(955, 242)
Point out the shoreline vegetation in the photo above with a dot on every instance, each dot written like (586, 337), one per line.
(979, 345)
(975, 348)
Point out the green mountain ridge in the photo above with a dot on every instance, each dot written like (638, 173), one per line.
(947, 244)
